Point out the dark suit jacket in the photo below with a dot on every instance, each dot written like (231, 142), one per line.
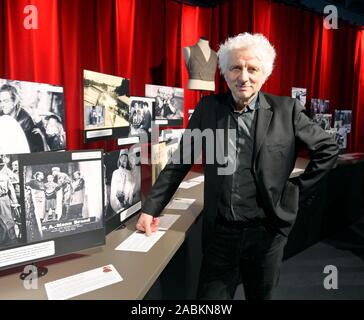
(280, 128)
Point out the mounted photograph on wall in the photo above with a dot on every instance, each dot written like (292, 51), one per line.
(343, 119)
(140, 120)
(123, 186)
(32, 114)
(319, 106)
(106, 106)
(168, 104)
(52, 204)
(300, 94)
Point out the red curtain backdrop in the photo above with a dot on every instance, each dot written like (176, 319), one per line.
(143, 40)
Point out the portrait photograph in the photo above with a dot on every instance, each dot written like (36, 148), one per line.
(140, 115)
(123, 182)
(38, 111)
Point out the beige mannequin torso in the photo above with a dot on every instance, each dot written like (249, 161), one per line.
(196, 84)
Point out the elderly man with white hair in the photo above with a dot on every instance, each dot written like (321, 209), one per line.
(249, 212)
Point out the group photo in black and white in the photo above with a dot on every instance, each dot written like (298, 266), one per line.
(95, 116)
(169, 101)
(62, 198)
(11, 229)
(38, 111)
(106, 100)
(123, 180)
(140, 115)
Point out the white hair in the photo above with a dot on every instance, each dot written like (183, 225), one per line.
(257, 43)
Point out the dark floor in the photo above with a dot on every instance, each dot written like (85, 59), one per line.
(302, 276)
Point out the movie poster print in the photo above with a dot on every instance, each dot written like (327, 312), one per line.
(106, 105)
(33, 115)
(62, 199)
(123, 183)
(11, 226)
(168, 105)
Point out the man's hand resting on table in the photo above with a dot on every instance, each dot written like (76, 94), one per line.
(147, 224)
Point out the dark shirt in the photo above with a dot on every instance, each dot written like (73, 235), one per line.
(238, 201)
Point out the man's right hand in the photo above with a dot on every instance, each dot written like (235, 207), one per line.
(147, 223)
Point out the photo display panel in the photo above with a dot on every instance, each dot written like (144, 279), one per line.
(168, 104)
(32, 114)
(140, 120)
(106, 106)
(51, 204)
(122, 185)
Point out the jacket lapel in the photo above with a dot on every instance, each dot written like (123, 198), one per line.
(264, 117)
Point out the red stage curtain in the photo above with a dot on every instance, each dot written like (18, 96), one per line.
(143, 41)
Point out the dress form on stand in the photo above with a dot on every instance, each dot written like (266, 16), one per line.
(201, 63)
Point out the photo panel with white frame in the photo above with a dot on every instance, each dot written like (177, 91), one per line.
(168, 104)
(106, 106)
(123, 186)
(140, 120)
(33, 115)
(57, 209)
(300, 94)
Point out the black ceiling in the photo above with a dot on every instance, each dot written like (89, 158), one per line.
(348, 10)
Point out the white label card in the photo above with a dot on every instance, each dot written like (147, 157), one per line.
(81, 283)
(139, 242)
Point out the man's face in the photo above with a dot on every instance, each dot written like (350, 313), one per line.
(7, 105)
(244, 76)
(123, 161)
(15, 166)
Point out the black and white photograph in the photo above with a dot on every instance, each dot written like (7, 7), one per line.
(11, 228)
(319, 106)
(95, 116)
(324, 120)
(62, 198)
(300, 94)
(169, 102)
(123, 183)
(140, 115)
(38, 111)
(106, 102)
(343, 119)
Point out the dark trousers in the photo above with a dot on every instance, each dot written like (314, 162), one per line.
(251, 255)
